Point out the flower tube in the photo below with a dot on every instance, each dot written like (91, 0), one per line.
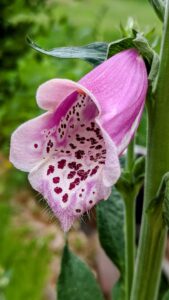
(71, 151)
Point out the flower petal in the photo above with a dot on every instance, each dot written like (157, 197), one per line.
(51, 93)
(83, 165)
(27, 142)
(119, 85)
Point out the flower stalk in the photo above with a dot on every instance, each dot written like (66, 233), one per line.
(130, 156)
(153, 233)
(130, 242)
(129, 225)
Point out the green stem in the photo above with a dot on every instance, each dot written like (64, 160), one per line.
(130, 156)
(129, 223)
(153, 234)
(130, 243)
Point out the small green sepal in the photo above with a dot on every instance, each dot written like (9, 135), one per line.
(161, 201)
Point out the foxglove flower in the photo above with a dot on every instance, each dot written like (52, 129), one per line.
(71, 151)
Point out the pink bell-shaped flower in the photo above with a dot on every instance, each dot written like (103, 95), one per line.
(71, 152)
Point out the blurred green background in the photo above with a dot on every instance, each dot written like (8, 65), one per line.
(26, 233)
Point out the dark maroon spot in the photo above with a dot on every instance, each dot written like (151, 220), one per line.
(94, 170)
(77, 181)
(79, 154)
(56, 179)
(80, 195)
(68, 151)
(78, 166)
(72, 146)
(58, 190)
(100, 137)
(50, 169)
(47, 149)
(93, 192)
(88, 129)
(82, 190)
(98, 147)
(102, 162)
(104, 151)
(65, 198)
(72, 186)
(71, 174)
(35, 146)
(72, 165)
(93, 141)
(91, 157)
(97, 130)
(50, 144)
(78, 210)
(90, 201)
(61, 163)
(82, 174)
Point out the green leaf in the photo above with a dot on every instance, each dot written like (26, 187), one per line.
(152, 58)
(119, 45)
(94, 53)
(118, 292)
(166, 296)
(139, 42)
(76, 281)
(154, 67)
(139, 170)
(166, 202)
(110, 222)
(159, 7)
(164, 287)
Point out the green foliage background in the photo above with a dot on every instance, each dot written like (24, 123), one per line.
(50, 23)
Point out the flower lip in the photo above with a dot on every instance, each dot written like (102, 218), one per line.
(47, 100)
(82, 171)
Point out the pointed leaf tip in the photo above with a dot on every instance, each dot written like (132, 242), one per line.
(94, 53)
(76, 281)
